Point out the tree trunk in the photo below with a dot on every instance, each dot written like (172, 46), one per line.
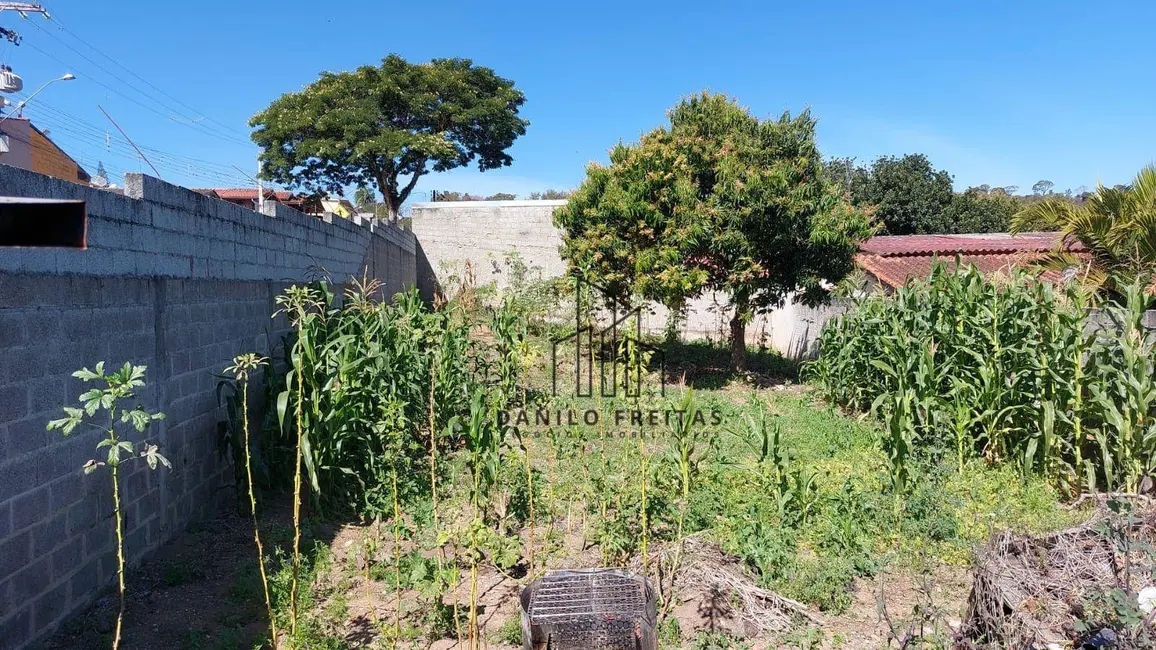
(392, 207)
(739, 341)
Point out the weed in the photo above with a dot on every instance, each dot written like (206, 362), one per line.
(718, 641)
(511, 631)
(115, 388)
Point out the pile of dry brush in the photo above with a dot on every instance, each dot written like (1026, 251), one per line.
(1033, 590)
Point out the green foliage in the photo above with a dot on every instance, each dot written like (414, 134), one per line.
(376, 125)
(718, 641)
(908, 194)
(117, 387)
(1112, 612)
(366, 371)
(718, 200)
(511, 631)
(977, 211)
(550, 195)
(180, 572)
(113, 389)
(960, 367)
(1116, 226)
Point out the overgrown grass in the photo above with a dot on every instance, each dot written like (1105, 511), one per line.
(804, 495)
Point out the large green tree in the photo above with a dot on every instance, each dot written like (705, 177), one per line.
(978, 211)
(910, 196)
(388, 125)
(717, 200)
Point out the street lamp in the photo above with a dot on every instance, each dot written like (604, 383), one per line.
(68, 76)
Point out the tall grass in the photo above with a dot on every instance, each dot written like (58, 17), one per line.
(1014, 370)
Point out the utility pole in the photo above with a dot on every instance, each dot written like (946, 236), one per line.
(22, 8)
(260, 190)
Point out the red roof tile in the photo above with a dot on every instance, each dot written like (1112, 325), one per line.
(896, 259)
(244, 193)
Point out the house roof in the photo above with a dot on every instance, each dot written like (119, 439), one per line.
(80, 172)
(895, 259)
(244, 193)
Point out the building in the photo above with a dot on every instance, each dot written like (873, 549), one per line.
(890, 261)
(339, 207)
(24, 146)
(246, 197)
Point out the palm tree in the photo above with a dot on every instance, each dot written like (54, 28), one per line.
(1116, 227)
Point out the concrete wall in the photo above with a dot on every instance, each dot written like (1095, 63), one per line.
(173, 280)
(453, 234)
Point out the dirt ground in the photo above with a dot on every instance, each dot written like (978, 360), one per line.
(202, 591)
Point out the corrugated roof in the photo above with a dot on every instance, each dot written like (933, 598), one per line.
(894, 259)
(986, 243)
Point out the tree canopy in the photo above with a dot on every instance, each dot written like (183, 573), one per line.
(717, 200)
(388, 125)
(910, 196)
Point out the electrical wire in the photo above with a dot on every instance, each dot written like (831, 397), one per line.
(192, 120)
(146, 81)
(93, 136)
(83, 146)
(139, 103)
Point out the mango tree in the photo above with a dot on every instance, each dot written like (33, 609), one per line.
(717, 200)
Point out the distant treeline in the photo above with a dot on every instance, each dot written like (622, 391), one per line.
(908, 196)
(548, 195)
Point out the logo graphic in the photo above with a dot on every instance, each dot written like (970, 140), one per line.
(606, 349)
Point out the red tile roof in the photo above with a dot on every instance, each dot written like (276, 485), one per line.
(244, 193)
(896, 259)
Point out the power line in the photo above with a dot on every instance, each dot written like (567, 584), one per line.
(93, 147)
(93, 135)
(146, 81)
(134, 100)
(130, 85)
(192, 120)
(80, 126)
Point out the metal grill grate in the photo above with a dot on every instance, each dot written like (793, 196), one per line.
(594, 609)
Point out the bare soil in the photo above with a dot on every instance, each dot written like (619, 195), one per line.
(201, 591)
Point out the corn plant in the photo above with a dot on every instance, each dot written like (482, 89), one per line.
(513, 351)
(299, 303)
(687, 454)
(242, 366)
(484, 457)
(770, 461)
(109, 396)
(1009, 370)
(1124, 395)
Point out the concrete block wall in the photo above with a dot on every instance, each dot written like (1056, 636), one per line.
(172, 280)
(452, 234)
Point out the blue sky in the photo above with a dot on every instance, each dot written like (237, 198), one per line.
(994, 93)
